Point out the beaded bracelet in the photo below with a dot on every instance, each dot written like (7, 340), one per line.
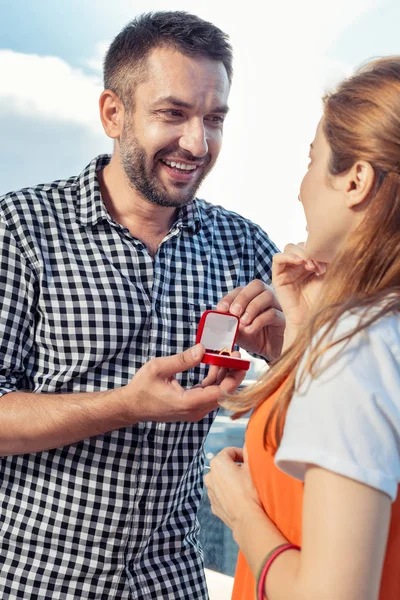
(266, 564)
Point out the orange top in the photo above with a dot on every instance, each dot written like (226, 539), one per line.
(282, 498)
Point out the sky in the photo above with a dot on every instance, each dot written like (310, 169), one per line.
(287, 55)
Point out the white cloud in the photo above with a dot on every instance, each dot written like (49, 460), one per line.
(48, 87)
(49, 119)
(39, 150)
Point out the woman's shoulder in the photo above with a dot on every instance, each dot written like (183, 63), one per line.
(346, 416)
(358, 338)
(386, 325)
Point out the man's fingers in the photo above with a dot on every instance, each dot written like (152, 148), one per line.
(225, 303)
(254, 298)
(211, 377)
(269, 317)
(217, 375)
(264, 302)
(221, 375)
(235, 377)
(231, 381)
(204, 399)
(167, 366)
(256, 293)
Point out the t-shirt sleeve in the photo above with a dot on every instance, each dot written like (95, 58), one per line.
(17, 316)
(347, 419)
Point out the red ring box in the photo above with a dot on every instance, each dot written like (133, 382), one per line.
(218, 330)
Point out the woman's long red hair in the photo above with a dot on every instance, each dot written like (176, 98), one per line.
(361, 121)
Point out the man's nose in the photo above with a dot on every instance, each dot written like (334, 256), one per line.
(194, 138)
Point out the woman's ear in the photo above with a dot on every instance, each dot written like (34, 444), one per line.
(112, 113)
(360, 180)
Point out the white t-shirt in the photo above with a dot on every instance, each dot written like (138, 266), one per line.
(347, 420)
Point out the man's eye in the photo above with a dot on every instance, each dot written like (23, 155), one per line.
(217, 119)
(172, 112)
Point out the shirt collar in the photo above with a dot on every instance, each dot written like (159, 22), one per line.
(90, 208)
(189, 217)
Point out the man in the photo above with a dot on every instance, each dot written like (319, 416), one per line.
(101, 472)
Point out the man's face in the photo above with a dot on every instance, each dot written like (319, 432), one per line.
(172, 137)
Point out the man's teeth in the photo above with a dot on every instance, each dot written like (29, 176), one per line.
(178, 165)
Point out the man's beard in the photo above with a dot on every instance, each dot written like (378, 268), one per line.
(141, 179)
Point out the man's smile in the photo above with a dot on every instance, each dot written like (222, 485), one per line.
(179, 170)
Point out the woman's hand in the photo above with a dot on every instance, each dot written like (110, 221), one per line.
(230, 487)
(297, 282)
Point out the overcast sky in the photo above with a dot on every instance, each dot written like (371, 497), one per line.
(286, 55)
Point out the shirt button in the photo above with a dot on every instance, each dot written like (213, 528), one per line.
(157, 306)
(142, 503)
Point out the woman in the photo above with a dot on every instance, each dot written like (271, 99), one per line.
(313, 506)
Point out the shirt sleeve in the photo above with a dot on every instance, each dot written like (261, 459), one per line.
(17, 316)
(347, 419)
(264, 249)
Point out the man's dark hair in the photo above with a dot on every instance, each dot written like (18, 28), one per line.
(125, 60)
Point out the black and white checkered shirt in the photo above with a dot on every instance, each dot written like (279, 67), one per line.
(82, 307)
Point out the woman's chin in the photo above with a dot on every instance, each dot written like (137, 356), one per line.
(313, 252)
(308, 248)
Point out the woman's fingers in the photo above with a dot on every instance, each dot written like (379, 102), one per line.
(295, 256)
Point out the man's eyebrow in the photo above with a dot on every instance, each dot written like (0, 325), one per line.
(182, 104)
(224, 109)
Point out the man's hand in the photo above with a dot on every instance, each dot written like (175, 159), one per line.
(155, 395)
(31, 422)
(262, 324)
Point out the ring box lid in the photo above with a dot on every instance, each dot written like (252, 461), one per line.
(216, 331)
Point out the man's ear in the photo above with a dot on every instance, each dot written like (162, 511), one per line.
(112, 113)
(360, 180)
